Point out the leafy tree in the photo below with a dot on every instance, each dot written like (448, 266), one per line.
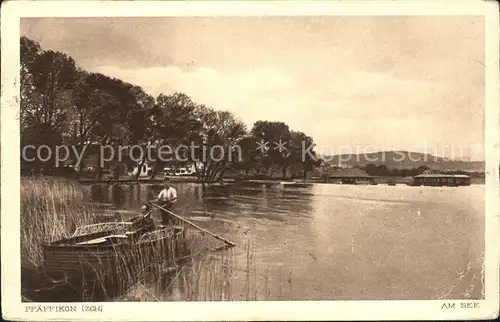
(298, 158)
(47, 78)
(173, 122)
(55, 73)
(250, 156)
(221, 129)
(108, 112)
(272, 134)
(29, 51)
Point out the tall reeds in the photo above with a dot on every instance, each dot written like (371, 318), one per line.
(50, 210)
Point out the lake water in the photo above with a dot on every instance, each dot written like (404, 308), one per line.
(337, 242)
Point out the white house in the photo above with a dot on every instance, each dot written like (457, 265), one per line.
(187, 170)
(144, 171)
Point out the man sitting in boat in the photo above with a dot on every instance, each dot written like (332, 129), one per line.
(166, 199)
(144, 220)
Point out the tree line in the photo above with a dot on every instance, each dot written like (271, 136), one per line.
(63, 104)
(382, 170)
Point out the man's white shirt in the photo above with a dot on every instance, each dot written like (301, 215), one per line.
(167, 194)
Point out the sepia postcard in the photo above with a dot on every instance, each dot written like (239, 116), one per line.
(250, 160)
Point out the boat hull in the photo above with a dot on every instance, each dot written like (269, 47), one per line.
(68, 259)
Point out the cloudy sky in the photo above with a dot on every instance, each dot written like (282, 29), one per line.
(352, 83)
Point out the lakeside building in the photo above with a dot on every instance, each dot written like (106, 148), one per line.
(187, 170)
(350, 176)
(340, 166)
(452, 180)
(144, 171)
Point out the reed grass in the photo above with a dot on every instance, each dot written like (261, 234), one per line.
(50, 210)
(184, 269)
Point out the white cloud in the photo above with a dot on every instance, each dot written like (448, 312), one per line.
(351, 107)
(251, 94)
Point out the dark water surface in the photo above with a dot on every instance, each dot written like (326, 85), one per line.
(338, 242)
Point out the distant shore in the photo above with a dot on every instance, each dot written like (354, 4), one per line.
(192, 179)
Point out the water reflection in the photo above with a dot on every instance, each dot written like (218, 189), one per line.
(332, 241)
(97, 193)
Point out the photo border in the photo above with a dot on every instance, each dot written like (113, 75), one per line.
(14, 309)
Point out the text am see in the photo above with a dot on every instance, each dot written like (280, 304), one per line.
(462, 305)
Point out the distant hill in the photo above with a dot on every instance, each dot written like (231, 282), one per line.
(405, 159)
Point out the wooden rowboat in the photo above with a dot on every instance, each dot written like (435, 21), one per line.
(103, 247)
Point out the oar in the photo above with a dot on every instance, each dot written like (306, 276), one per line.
(195, 225)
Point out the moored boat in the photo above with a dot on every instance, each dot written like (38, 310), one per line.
(102, 248)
